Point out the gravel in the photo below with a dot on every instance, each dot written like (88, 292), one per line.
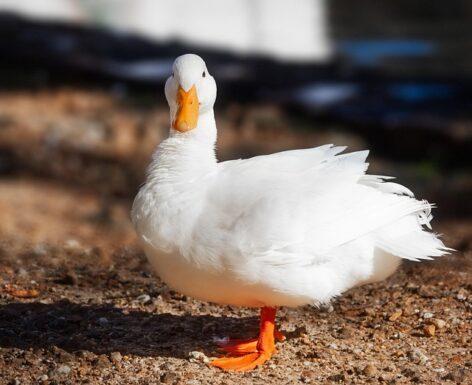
(105, 330)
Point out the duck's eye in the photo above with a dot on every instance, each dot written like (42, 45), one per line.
(204, 74)
(172, 74)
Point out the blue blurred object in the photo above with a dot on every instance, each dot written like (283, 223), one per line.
(323, 95)
(390, 103)
(371, 52)
(417, 92)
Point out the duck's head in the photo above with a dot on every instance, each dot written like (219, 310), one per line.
(190, 92)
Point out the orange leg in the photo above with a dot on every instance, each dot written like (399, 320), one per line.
(253, 352)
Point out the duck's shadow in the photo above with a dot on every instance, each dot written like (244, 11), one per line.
(103, 329)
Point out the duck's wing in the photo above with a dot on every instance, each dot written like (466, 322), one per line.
(296, 207)
(292, 161)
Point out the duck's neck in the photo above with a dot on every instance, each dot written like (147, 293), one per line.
(185, 157)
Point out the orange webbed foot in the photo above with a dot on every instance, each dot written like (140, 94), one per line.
(253, 352)
(241, 364)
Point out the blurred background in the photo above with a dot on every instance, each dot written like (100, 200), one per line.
(82, 107)
(82, 80)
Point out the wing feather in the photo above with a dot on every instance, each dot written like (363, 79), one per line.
(296, 207)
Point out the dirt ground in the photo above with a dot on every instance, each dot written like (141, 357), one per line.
(80, 304)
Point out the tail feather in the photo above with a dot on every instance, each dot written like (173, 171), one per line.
(407, 239)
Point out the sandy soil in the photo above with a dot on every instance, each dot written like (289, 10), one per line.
(98, 315)
(79, 303)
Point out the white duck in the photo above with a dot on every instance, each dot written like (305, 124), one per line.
(288, 229)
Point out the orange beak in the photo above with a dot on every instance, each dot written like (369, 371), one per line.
(187, 114)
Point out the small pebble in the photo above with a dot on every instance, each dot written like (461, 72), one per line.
(417, 356)
(72, 245)
(116, 356)
(144, 299)
(305, 339)
(63, 369)
(196, 356)
(398, 336)
(461, 296)
(103, 321)
(396, 315)
(101, 361)
(456, 321)
(439, 323)
(326, 307)
(427, 315)
(44, 377)
(429, 330)
(370, 370)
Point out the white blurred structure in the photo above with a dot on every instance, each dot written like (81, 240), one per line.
(284, 29)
